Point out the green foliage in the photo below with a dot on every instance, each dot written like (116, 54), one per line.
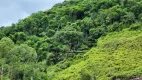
(19, 37)
(117, 56)
(22, 53)
(85, 76)
(5, 46)
(136, 26)
(71, 38)
(58, 39)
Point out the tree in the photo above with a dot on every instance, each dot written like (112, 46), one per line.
(6, 44)
(1, 35)
(129, 18)
(113, 14)
(22, 53)
(18, 37)
(21, 60)
(88, 23)
(71, 38)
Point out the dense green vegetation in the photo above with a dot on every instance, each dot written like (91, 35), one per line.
(75, 40)
(117, 57)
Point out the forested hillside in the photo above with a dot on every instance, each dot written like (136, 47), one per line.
(75, 40)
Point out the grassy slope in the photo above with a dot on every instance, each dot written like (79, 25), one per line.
(117, 55)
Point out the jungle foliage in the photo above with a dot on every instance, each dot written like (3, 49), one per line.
(75, 40)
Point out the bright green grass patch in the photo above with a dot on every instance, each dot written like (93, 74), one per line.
(118, 56)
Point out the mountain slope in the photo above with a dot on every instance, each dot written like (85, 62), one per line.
(117, 56)
(76, 39)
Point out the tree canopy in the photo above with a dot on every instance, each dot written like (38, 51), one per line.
(62, 35)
